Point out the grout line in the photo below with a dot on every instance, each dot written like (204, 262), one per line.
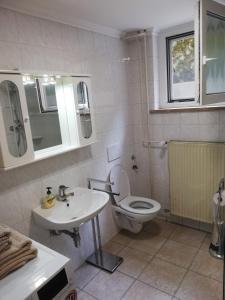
(206, 276)
(172, 263)
(153, 257)
(128, 289)
(188, 269)
(88, 295)
(91, 278)
(156, 288)
(148, 263)
(137, 279)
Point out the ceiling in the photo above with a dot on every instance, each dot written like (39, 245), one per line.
(109, 16)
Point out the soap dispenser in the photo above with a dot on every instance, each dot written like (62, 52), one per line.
(49, 200)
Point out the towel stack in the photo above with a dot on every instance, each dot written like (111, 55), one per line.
(15, 250)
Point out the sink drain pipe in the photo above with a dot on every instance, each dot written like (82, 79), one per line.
(75, 235)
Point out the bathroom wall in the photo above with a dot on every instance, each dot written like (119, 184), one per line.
(30, 43)
(188, 126)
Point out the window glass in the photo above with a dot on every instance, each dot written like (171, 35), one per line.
(215, 44)
(181, 67)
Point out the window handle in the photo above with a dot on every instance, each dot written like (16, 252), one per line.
(206, 59)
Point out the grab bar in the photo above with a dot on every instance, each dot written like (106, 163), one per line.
(108, 192)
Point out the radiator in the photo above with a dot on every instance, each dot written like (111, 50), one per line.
(195, 169)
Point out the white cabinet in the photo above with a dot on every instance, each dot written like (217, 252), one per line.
(43, 116)
(15, 134)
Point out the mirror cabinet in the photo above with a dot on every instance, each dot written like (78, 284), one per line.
(42, 116)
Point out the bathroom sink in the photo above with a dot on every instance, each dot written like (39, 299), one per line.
(80, 208)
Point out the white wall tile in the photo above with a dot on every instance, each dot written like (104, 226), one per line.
(189, 118)
(207, 117)
(209, 132)
(8, 26)
(31, 43)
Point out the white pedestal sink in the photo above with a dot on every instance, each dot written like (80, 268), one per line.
(66, 217)
(80, 208)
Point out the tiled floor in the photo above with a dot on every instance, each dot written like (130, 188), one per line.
(165, 261)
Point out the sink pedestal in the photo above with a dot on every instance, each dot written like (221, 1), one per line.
(100, 258)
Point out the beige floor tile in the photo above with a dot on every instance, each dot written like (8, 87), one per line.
(134, 261)
(177, 253)
(206, 242)
(113, 247)
(163, 275)
(160, 227)
(123, 238)
(84, 296)
(198, 287)
(147, 242)
(141, 291)
(84, 274)
(188, 236)
(207, 265)
(107, 286)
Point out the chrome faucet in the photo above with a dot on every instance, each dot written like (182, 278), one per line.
(62, 196)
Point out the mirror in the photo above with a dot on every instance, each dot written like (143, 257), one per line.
(84, 109)
(13, 118)
(47, 94)
(43, 112)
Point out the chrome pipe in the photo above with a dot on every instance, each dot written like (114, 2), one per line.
(108, 192)
(100, 181)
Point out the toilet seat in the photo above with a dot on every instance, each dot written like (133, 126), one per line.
(139, 205)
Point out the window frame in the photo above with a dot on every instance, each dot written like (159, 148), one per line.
(168, 66)
(162, 66)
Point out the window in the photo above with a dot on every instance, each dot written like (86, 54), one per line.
(191, 60)
(178, 66)
(180, 54)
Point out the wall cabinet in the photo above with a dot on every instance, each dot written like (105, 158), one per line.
(43, 116)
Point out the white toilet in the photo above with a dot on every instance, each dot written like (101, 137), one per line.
(130, 211)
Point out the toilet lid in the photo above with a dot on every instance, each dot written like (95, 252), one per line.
(121, 182)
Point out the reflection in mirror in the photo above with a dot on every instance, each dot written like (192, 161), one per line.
(47, 94)
(44, 120)
(13, 118)
(84, 109)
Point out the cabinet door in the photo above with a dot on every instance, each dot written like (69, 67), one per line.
(16, 142)
(84, 109)
(212, 50)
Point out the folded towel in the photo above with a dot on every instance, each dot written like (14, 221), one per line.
(5, 231)
(17, 262)
(19, 244)
(4, 239)
(5, 246)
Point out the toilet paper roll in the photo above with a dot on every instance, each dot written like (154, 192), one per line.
(216, 198)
